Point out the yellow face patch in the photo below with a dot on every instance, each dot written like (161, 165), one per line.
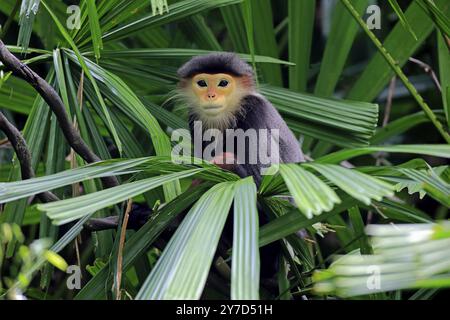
(213, 91)
(215, 98)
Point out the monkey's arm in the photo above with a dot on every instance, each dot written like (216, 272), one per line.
(258, 113)
(261, 114)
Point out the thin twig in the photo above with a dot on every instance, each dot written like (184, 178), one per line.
(387, 110)
(123, 231)
(427, 68)
(80, 91)
(55, 103)
(23, 155)
(387, 115)
(77, 252)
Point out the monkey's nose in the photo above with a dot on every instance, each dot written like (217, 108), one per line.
(211, 96)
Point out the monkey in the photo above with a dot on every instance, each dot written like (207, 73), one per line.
(220, 92)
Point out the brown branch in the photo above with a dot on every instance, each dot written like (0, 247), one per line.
(55, 103)
(23, 155)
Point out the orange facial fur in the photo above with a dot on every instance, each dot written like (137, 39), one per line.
(216, 98)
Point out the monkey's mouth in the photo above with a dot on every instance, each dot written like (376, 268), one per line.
(213, 108)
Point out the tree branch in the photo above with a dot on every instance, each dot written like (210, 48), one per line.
(23, 155)
(427, 68)
(55, 103)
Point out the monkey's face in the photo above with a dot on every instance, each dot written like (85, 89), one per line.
(215, 93)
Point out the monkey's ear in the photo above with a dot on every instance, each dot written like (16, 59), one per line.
(247, 82)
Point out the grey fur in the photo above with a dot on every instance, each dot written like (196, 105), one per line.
(255, 111)
(258, 113)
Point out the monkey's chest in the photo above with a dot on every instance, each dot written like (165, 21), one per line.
(249, 147)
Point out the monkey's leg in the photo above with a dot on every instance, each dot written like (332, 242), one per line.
(139, 215)
(269, 254)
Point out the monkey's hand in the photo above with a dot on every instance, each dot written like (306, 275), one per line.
(225, 160)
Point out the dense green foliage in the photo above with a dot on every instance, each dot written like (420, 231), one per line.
(372, 122)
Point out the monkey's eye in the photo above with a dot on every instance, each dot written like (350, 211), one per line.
(223, 83)
(202, 83)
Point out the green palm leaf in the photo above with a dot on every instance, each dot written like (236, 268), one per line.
(437, 150)
(139, 242)
(405, 256)
(245, 259)
(311, 195)
(28, 11)
(179, 54)
(177, 11)
(80, 58)
(358, 185)
(16, 190)
(348, 123)
(96, 31)
(183, 276)
(71, 209)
